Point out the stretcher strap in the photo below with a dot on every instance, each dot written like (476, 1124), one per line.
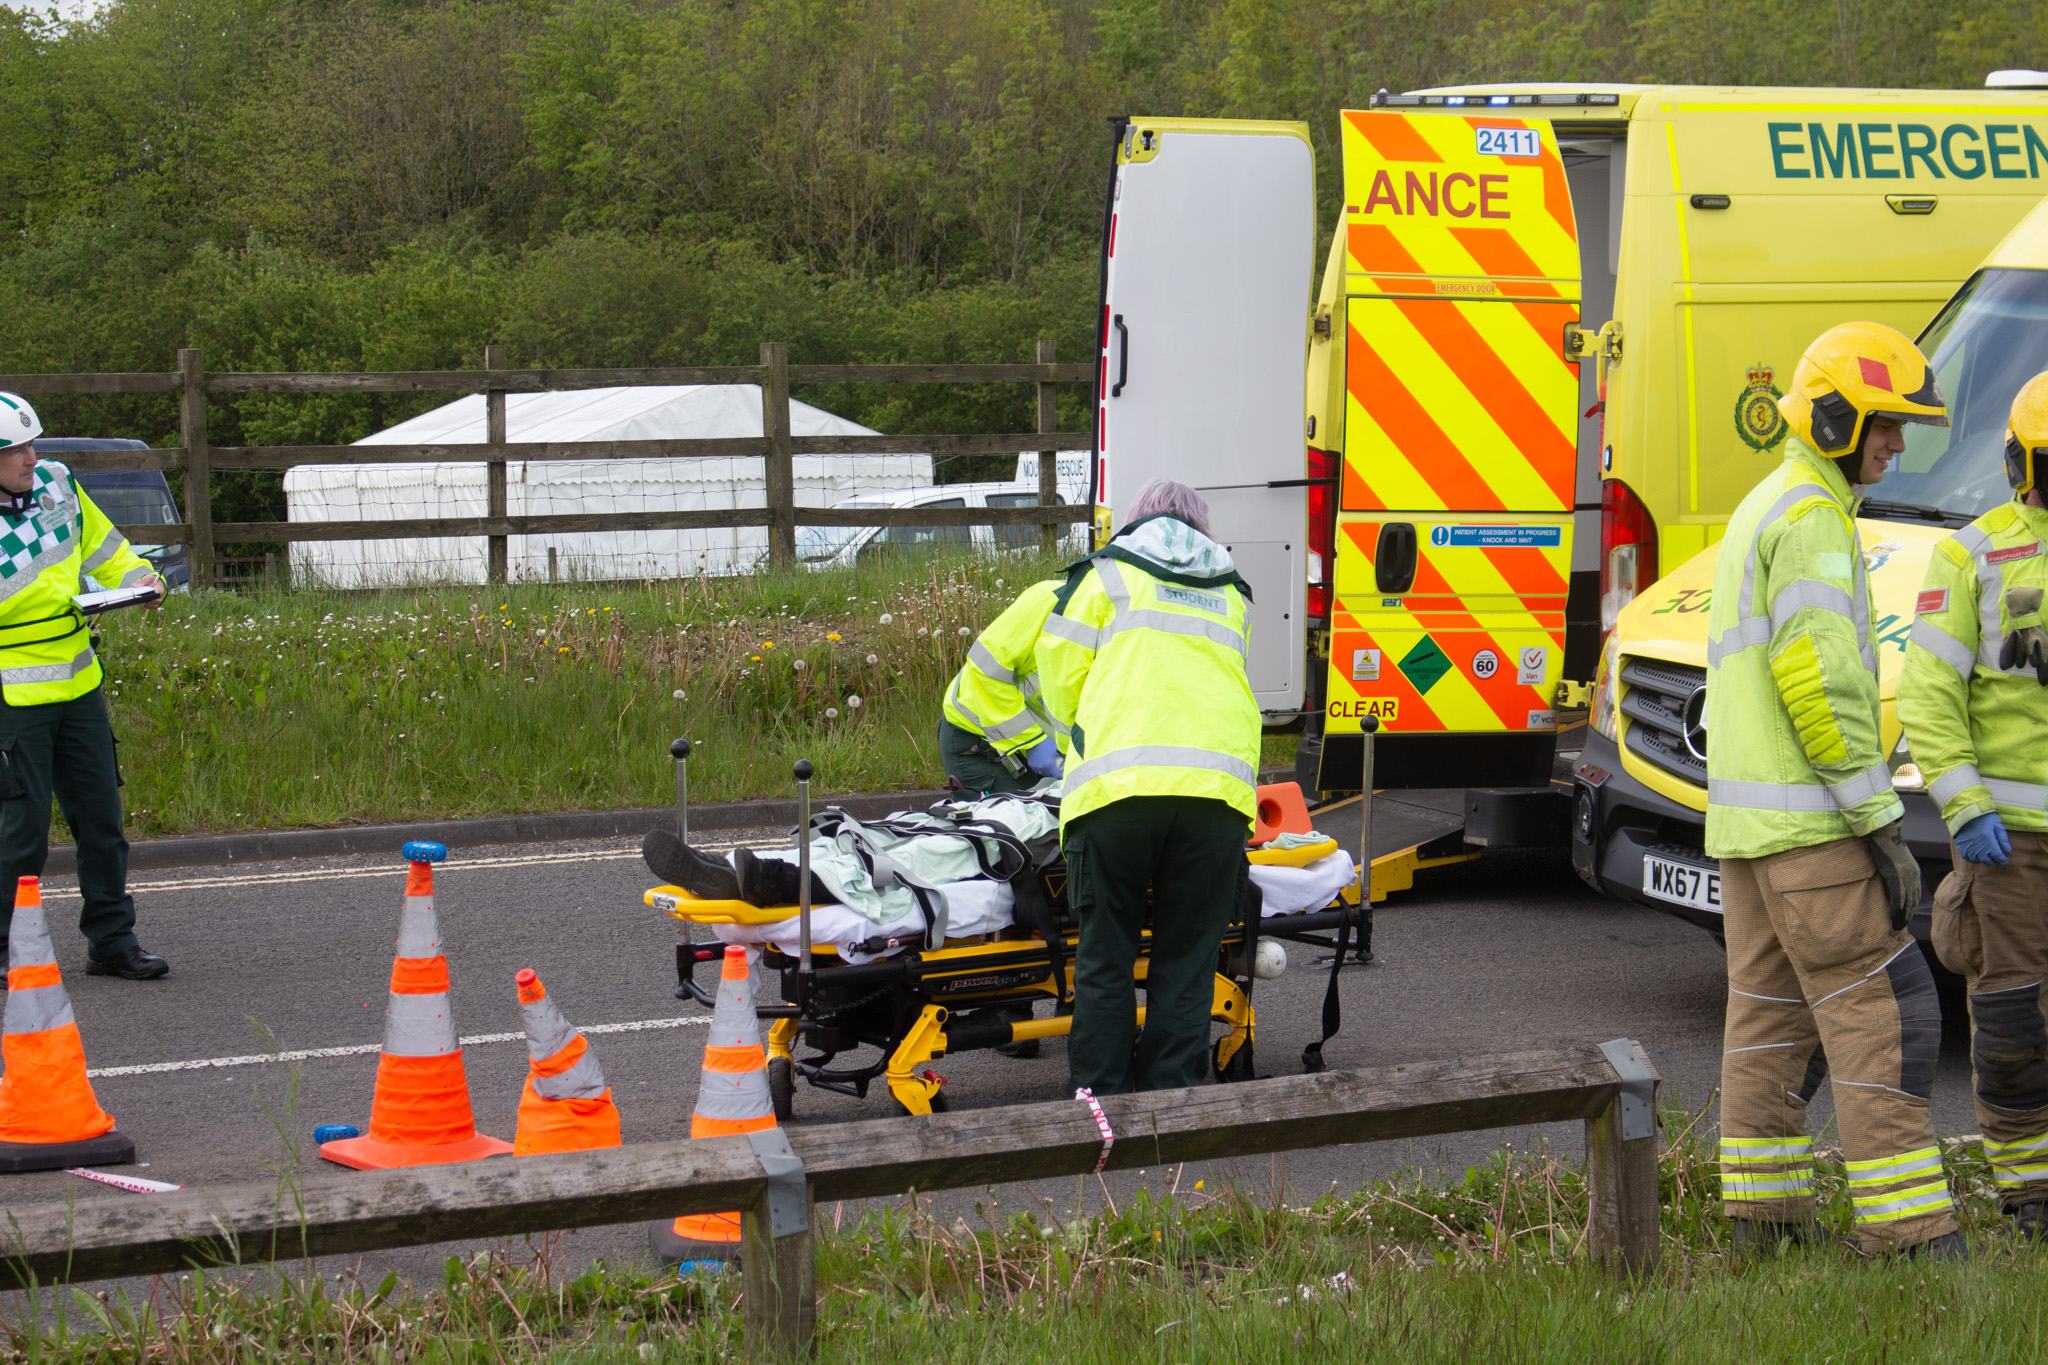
(1087, 1097)
(1333, 1009)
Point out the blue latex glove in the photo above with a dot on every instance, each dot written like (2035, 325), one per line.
(1984, 840)
(1044, 758)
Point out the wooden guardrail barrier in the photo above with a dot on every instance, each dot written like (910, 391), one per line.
(1610, 1087)
(198, 458)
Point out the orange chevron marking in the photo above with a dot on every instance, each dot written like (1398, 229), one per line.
(1395, 139)
(1500, 391)
(1413, 431)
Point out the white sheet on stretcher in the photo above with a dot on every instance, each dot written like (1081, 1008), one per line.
(982, 907)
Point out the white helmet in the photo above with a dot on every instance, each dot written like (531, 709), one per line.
(18, 421)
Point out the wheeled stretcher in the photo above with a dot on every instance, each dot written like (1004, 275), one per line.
(924, 1002)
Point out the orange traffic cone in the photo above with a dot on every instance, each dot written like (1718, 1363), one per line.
(49, 1117)
(732, 1098)
(566, 1106)
(1281, 810)
(420, 1115)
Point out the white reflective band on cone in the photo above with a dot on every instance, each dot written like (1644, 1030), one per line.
(420, 1026)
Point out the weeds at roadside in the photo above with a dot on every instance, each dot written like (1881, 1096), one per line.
(1490, 1268)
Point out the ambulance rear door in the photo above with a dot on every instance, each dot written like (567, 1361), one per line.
(1461, 427)
(1208, 249)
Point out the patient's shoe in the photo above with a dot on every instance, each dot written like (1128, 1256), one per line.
(701, 874)
(771, 881)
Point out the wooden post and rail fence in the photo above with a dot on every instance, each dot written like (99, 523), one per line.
(198, 458)
(1610, 1087)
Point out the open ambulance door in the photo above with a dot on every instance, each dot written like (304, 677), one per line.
(1208, 245)
(1461, 433)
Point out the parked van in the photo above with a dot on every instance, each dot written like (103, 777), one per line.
(1543, 361)
(129, 497)
(1640, 786)
(822, 547)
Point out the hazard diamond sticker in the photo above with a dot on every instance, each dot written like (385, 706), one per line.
(1424, 664)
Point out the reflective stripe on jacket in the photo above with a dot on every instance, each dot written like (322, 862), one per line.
(45, 558)
(995, 694)
(1978, 733)
(1146, 662)
(1793, 750)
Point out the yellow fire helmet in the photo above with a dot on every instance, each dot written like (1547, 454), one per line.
(2026, 436)
(1852, 373)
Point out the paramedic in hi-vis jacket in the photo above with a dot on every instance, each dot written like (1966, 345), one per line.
(55, 737)
(1143, 657)
(1817, 883)
(1974, 701)
(994, 734)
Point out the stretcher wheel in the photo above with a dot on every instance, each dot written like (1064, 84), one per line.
(1240, 1067)
(782, 1087)
(939, 1103)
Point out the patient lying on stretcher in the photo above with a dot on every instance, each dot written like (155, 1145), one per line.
(765, 882)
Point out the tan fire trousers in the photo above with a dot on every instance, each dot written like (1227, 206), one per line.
(1819, 982)
(1991, 926)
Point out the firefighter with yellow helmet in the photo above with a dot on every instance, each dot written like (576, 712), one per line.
(1817, 883)
(995, 734)
(55, 737)
(1974, 701)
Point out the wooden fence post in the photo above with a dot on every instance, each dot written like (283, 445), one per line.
(781, 475)
(779, 1276)
(1048, 460)
(198, 466)
(1621, 1185)
(500, 567)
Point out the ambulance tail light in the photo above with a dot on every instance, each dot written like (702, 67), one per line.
(1628, 550)
(1322, 528)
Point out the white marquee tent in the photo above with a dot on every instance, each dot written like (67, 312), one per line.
(373, 492)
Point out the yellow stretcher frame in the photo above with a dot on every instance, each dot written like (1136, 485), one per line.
(910, 1080)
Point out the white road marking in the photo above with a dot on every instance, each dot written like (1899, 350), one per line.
(305, 876)
(362, 1049)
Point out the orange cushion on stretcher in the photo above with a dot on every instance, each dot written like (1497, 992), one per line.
(1282, 810)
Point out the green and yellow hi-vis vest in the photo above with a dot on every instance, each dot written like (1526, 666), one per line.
(46, 557)
(995, 694)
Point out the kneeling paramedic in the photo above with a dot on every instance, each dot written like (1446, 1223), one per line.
(1974, 701)
(995, 735)
(1817, 883)
(55, 737)
(1144, 658)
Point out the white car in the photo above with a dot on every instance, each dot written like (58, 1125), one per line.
(820, 547)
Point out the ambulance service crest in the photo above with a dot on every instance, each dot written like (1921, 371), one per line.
(1757, 419)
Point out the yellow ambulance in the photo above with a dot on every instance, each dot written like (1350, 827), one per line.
(1543, 364)
(1640, 783)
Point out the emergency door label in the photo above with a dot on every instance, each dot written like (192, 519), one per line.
(1365, 665)
(1495, 537)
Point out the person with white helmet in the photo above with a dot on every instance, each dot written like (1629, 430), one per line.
(55, 735)
(1817, 883)
(1974, 701)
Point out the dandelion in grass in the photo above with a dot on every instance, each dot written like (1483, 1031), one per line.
(831, 713)
(680, 695)
(885, 618)
(922, 631)
(873, 659)
(964, 632)
(832, 635)
(853, 703)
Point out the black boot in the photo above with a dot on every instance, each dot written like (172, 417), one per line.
(1950, 1246)
(2030, 1220)
(700, 874)
(1751, 1237)
(770, 882)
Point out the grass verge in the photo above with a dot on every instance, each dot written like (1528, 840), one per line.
(264, 710)
(1490, 1269)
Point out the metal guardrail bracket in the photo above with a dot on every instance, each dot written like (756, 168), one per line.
(1638, 1088)
(788, 1202)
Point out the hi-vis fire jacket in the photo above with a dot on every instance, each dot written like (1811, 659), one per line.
(1144, 658)
(1978, 733)
(995, 693)
(45, 557)
(1793, 750)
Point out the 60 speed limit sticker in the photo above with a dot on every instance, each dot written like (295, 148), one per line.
(1485, 664)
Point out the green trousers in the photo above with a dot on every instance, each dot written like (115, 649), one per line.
(66, 749)
(1179, 861)
(976, 765)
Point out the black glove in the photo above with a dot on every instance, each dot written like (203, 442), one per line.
(1897, 869)
(2026, 645)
